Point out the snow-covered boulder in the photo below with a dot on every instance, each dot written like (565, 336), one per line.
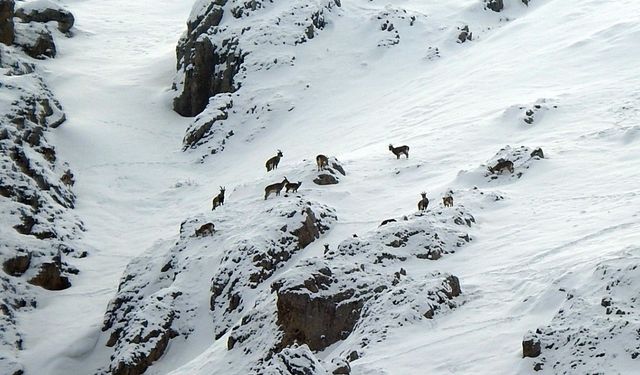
(44, 11)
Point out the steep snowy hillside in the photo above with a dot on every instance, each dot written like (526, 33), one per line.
(524, 113)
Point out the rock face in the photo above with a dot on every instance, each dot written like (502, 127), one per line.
(596, 328)
(6, 22)
(44, 11)
(225, 42)
(40, 231)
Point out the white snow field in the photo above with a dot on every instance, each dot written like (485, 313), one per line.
(570, 212)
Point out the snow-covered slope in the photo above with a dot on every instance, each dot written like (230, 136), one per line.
(546, 254)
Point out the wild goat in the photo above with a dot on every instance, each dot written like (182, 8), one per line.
(272, 163)
(218, 200)
(205, 230)
(293, 186)
(423, 203)
(447, 201)
(275, 188)
(501, 166)
(398, 151)
(322, 161)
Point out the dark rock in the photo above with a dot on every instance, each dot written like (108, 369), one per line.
(537, 153)
(211, 69)
(317, 321)
(465, 34)
(495, 5)
(308, 232)
(49, 12)
(530, 348)
(341, 367)
(50, 277)
(17, 265)
(6, 22)
(325, 179)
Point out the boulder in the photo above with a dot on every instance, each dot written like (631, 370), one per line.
(325, 179)
(495, 5)
(44, 11)
(530, 348)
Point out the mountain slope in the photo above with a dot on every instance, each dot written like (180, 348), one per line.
(551, 74)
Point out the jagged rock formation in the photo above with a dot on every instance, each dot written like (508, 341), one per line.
(36, 194)
(212, 53)
(596, 330)
(353, 296)
(216, 55)
(154, 302)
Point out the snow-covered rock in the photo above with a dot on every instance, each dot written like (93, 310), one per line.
(596, 329)
(156, 298)
(39, 230)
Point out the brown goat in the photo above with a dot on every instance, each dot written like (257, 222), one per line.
(205, 230)
(501, 166)
(423, 203)
(218, 200)
(275, 188)
(447, 201)
(400, 150)
(272, 163)
(293, 186)
(322, 161)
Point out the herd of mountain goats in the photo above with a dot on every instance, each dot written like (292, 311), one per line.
(322, 162)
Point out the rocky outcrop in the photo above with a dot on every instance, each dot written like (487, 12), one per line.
(353, 296)
(331, 174)
(44, 11)
(39, 232)
(596, 328)
(35, 39)
(507, 165)
(6, 22)
(225, 43)
(155, 300)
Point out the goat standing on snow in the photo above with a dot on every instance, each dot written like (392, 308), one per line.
(322, 161)
(400, 150)
(275, 188)
(293, 186)
(423, 203)
(218, 200)
(501, 166)
(272, 163)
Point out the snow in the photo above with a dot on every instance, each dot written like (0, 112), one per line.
(564, 216)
